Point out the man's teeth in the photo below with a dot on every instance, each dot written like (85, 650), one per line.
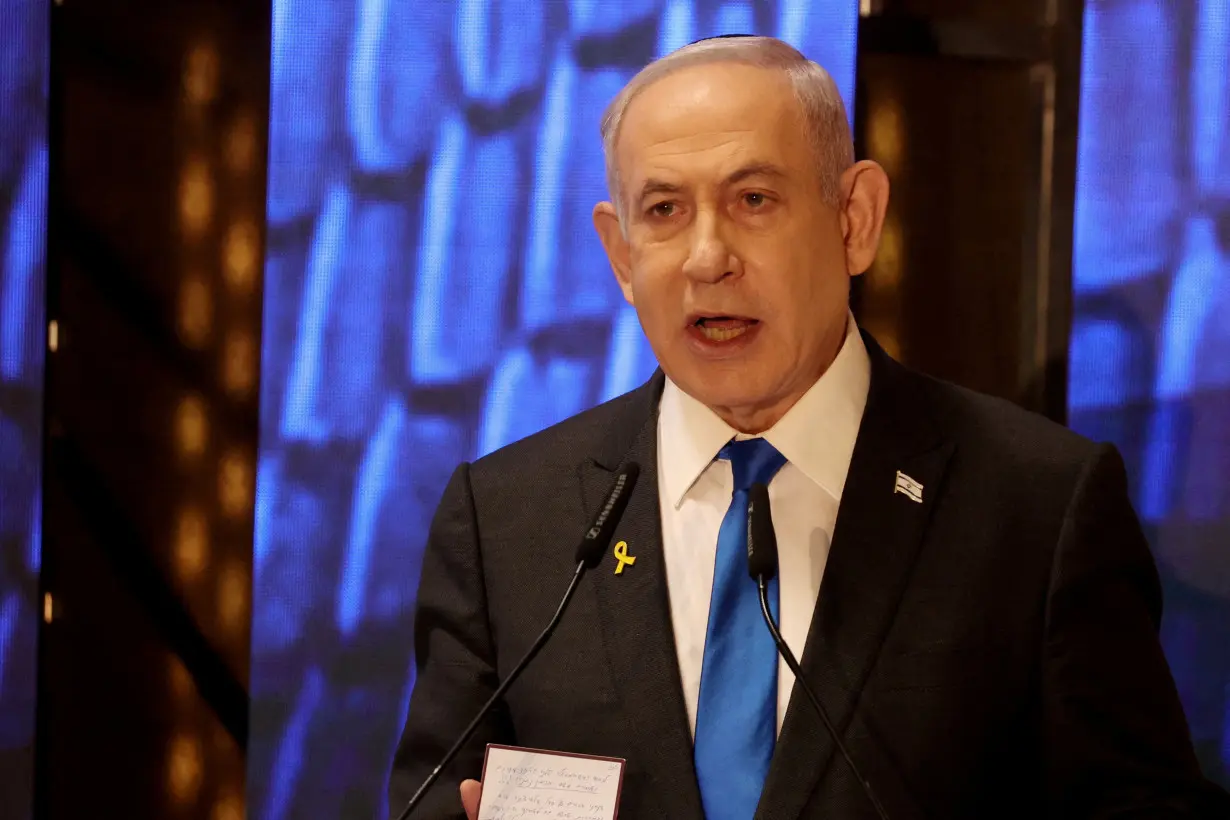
(722, 334)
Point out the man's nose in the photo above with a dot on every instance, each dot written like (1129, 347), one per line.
(710, 258)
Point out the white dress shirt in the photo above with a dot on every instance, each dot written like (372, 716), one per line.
(817, 437)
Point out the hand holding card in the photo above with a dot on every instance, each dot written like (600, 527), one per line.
(530, 783)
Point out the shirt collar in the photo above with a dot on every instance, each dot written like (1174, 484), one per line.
(816, 435)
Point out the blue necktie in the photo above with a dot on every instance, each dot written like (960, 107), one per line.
(736, 718)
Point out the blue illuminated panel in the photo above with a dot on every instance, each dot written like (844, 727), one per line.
(434, 290)
(1150, 355)
(23, 215)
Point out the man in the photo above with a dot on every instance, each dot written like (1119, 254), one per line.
(965, 583)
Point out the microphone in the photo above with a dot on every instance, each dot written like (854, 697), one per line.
(598, 537)
(762, 566)
(589, 553)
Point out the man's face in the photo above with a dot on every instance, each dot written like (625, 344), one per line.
(736, 265)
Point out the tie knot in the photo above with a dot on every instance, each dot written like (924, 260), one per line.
(753, 461)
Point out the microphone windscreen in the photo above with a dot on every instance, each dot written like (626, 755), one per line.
(598, 537)
(761, 539)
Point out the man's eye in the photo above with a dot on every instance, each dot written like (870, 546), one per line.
(662, 209)
(755, 200)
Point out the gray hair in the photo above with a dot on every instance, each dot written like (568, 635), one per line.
(823, 109)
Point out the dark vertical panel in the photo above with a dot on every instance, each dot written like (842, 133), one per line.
(1019, 12)
(155, 239)
(973, 111)
(954, 245)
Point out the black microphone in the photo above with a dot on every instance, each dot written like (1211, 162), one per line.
(762, 566)
(589, 553)
(598, 537)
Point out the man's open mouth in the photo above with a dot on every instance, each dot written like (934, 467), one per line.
(723, 328)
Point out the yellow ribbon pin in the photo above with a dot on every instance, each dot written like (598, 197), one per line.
(622, 556)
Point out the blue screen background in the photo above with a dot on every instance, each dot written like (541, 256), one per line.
(434, 290)
(23, 213)
(1150, 352)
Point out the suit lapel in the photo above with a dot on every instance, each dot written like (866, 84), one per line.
(875, 543)
(635, 613)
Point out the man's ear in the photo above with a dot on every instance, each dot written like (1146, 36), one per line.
(606, 222)
(864, 196)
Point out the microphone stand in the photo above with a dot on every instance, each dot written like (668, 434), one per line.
(495, 697)
(762, 585)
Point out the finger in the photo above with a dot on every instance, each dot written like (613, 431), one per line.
(471, 790)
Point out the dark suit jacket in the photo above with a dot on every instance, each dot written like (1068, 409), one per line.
(991, 652)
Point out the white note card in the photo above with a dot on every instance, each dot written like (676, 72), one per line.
(532, 783)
